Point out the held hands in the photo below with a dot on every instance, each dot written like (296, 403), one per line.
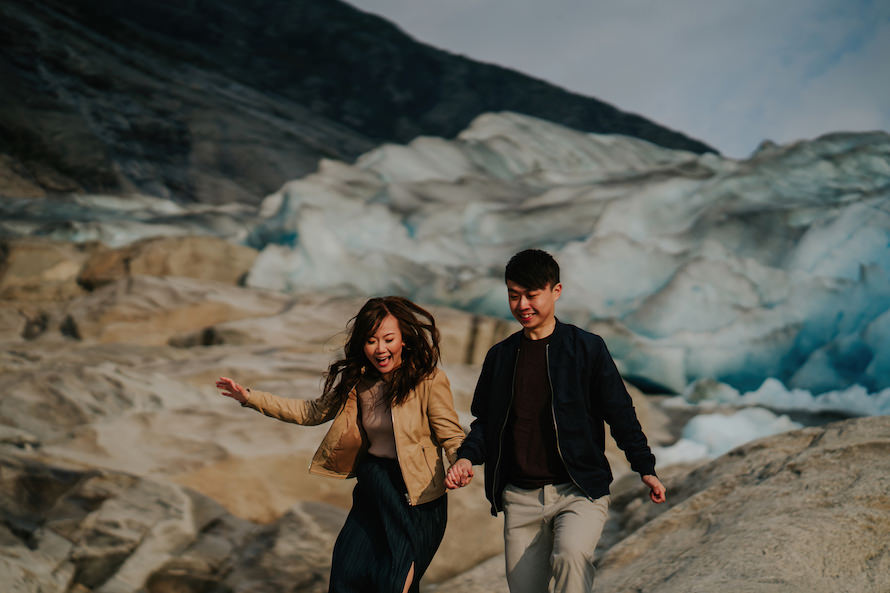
(656, 489)
(459, 475)
(231, 389)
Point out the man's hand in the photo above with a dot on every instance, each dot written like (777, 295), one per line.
(231, 389)
(459, 475)
(656, 488)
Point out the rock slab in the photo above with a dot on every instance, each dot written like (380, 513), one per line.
(804, 511)
(801, 512)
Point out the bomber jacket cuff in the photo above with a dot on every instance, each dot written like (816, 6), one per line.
(463, 453)
(646, 470)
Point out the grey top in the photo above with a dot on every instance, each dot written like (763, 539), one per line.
(377, 421)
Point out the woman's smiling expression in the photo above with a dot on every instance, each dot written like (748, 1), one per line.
(384, 347)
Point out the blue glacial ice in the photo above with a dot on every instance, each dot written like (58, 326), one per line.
(727, 418)
(690, 265)
(709, 435)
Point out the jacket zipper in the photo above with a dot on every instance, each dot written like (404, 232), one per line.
(555, 427)
(497, 465)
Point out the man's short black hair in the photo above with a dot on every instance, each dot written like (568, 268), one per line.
(532, 269)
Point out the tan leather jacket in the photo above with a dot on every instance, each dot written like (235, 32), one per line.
(423, 425)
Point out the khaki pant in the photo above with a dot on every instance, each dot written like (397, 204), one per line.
(551, 532)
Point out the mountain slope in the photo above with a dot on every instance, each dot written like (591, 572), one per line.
(219, 102)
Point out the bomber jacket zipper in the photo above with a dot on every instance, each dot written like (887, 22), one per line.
(497, 465)
(555, 426)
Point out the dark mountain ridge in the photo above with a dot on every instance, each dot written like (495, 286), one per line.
(224, 101)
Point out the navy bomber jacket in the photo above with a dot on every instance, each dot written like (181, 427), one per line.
(587, 390)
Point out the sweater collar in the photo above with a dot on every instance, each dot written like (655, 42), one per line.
(558, 334)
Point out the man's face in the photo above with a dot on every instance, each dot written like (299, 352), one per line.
(533, 308)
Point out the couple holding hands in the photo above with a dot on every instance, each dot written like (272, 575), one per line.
(540, 405)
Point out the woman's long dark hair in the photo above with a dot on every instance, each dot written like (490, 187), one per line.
(420, 349)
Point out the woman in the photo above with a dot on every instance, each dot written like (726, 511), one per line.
(392, 415)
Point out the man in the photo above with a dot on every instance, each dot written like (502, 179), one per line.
(539, 407)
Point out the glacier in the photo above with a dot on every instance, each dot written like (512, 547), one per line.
(691, 266)
(120, 220)
(726, 418)
(854, 400)
(712, 435)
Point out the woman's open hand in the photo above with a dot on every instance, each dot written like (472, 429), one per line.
(231, 389)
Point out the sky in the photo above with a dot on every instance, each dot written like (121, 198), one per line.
(730, 73)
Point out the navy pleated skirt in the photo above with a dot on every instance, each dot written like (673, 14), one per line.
(383, 534)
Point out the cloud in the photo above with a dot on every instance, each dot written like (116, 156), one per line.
(852, 93)
(729, 73)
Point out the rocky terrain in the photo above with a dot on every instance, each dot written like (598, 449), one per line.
(225, 102)
(72, 528)
(122, 469)
(799, 512)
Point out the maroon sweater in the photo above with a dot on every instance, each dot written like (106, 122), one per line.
(532, 454)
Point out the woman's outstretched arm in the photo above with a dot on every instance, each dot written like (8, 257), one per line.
(298, 411)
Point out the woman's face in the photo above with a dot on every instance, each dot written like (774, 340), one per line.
(384, 347)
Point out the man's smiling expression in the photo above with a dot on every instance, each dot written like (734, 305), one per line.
(534, 308)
